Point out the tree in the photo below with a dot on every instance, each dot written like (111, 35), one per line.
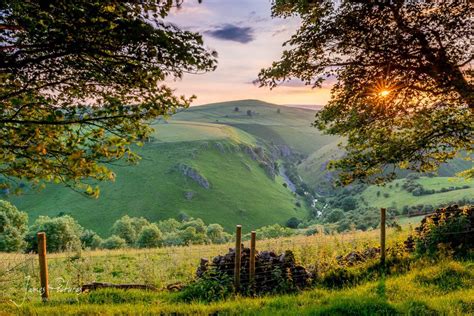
(114, 242)
(128, 228)
(62, 233)
(79, 80)
(150, 237)
(90, 239)
(249, 112)
(293, 222)
(348, 203)
(404, 95)
(13, 227)
(334, 216)
(217, 235)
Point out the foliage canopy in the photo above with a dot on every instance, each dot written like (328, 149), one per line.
(79, 80)
(404, 93)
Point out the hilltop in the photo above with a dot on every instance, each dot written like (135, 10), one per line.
(221, 162)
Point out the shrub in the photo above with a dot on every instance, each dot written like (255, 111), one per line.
(273, 231)
(348, 203)
(198, 224)
(450, 228)
(128, 228)
(413, 176)
(150, 237)
(217, 235)
(334, 216)
(168, 225)
(113, 242)
(293, 222)
(182, 217)
(90, 239)
(62, 233)
(13, 227)
(212, 286)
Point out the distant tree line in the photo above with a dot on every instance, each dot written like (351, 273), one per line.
(65, 233)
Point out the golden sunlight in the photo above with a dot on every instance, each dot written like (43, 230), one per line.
(384, 93)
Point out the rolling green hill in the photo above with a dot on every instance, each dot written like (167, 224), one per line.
(228, 146)
(240, 191)
(276, 124)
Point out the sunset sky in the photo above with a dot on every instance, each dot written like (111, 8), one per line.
(246, 39)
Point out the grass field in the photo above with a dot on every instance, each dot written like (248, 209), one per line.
(290, 126)
(240, 190)
(398, 197)
(445, 286)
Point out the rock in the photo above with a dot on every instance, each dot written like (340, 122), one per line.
(220, 147)
(194, 174)
(271, 270)
(285, 151)
(189, 195)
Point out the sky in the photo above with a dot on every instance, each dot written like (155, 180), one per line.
(246, 39)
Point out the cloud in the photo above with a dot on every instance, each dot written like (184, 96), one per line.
(230, 32)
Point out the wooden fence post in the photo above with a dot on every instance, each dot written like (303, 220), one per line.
(382, 235)
(43, 265)
(252, 258)
(238, 250)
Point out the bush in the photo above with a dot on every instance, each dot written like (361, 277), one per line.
(413, 176)
(62, 233)
(217, 235)
(212, 286)
(334, 216)
(90, 239)
(150, 237)
(293, 222)
(13, 227)
(168, 225)
(451, 228)
(348, 203)
(128, 228)
(113, 242)
(273, 231)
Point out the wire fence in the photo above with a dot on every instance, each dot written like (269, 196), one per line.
(161, 267)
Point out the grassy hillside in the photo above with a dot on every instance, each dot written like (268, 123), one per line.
(420, 287)
(289, 126)
(240, 192)
(392, 194)
(206, 138)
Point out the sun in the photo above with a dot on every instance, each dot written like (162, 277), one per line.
(384, 93)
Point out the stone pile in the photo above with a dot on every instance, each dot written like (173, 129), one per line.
(355, 257)
(273, 272)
